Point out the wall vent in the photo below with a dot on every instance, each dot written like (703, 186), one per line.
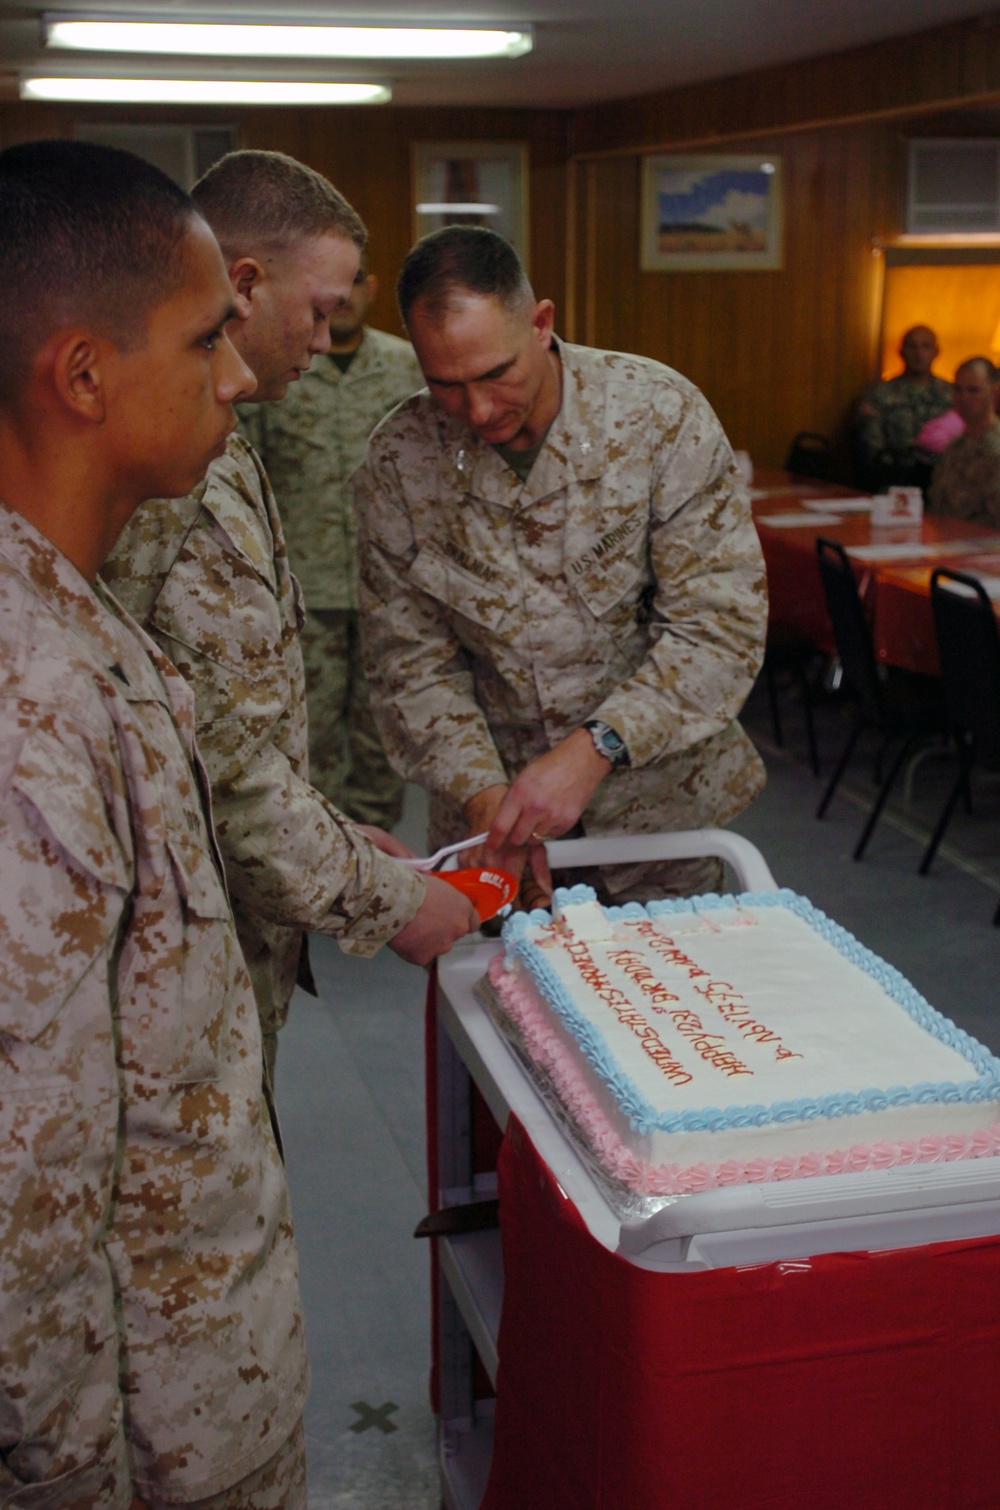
(954, 187)
(184, 152)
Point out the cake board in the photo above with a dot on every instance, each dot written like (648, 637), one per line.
(600, 1355)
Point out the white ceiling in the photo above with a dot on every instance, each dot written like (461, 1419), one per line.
(585, 50)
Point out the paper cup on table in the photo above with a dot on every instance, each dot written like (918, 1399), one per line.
(487, 890)
(898, 506)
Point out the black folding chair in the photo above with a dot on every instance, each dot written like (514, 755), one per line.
(900, 707)
(969, 650)
(810, 455)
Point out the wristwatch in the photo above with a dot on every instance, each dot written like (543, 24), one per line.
(607, 742)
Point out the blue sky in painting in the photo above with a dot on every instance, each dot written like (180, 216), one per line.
(715, 198)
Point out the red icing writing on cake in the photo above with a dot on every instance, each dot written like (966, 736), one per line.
(731, 1005)
(634, 966)
(710, 1046)
(726, 1001)
(626, 1013)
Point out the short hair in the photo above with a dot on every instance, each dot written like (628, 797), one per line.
(88, 234)
(984, 363)
(266, 201)
(461, 258)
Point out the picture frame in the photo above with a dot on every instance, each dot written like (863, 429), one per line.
(493, 175)
(712, 211)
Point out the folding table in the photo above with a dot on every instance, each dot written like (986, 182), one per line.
(832, 1342)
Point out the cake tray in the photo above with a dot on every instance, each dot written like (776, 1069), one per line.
(628, 1205)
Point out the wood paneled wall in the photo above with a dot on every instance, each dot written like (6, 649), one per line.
(366, 153)
(775, 352)
(930, 70)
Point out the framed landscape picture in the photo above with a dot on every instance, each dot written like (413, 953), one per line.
(472, 183)
(711, 211)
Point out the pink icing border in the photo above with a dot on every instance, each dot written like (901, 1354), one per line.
(555, 1057)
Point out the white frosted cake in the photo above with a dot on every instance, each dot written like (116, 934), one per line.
(719, 1040)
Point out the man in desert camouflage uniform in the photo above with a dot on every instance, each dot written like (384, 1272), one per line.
(208, 576)
(151, 1336)
(563, 593)
(892, 413)
(310, 444)
(966, 480)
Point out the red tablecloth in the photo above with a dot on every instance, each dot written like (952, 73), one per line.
(898, 593)
(855, 1379)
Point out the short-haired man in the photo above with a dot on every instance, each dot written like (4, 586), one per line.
(892, 413)
(562, 590)
(310, 444)
(966, 480)
(151, 1341)
(208, 576)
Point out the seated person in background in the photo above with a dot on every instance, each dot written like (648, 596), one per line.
(966, 480)
(891, 414)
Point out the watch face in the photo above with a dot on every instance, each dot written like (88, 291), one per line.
(611, 742)
(607, 741)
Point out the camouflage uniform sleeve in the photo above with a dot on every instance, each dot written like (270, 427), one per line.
(421, 680)
(290, 855)
(710, 606)
(870, 431)
(66, 880)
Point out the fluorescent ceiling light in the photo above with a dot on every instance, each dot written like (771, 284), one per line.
(202, 92)
(187, 38)
(448, 207)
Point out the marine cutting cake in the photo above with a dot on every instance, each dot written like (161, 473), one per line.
(719, 1040)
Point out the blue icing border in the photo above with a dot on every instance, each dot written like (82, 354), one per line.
(645, 1118)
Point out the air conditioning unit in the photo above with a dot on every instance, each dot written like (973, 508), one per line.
(954, 186)
(183, 152)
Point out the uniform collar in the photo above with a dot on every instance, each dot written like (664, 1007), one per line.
(367, 359)
(574, 449)
(92, 613)
(53, 577)
(230, 502)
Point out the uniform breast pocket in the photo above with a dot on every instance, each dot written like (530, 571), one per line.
(481, 599)
(617, 594)
(176, 976)
(222, 625)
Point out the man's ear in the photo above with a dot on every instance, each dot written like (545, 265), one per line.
(372, 280)
(246, 275)
(543, 321)
(76, 362)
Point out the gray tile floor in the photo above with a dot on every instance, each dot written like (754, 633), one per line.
(350, 1092)
(351, 1097)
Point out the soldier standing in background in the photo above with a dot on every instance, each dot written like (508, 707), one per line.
(563, 594)
(310, 443)
(208, 576)
(891, 413)
(151, 1335)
